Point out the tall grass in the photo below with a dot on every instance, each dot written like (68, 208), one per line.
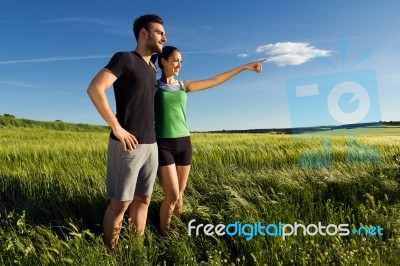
(52, 200)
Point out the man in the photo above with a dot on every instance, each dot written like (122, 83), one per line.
(132, 150)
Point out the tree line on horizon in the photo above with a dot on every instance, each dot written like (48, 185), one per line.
(28, 122)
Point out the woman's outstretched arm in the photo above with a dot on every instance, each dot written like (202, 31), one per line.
(196, 85)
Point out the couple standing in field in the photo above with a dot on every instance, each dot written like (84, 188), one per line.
(149, 134)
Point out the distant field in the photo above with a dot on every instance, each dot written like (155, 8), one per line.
(366, 131)
(52, 198)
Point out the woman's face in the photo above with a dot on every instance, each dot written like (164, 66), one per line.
(173, 64)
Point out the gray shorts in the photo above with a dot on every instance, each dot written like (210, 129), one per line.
(132, 172)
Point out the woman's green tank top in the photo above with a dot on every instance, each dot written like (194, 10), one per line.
(170, 113)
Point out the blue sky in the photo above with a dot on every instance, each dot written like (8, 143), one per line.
(50, 51)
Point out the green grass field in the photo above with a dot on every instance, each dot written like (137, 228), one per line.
(52, 198)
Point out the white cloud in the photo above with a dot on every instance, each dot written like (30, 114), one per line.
(64, 93)
(243, 55)
(82, 20)
(16, 83)
(53, 59)
(291, 53)
(107, 25)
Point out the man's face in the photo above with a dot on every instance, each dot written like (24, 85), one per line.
(155, 38)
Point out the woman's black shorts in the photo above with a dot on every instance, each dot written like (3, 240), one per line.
(174, 151)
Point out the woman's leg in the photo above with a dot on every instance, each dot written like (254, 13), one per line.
(169, 182)
(183, 175)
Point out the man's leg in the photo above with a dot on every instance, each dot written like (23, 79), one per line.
(144, 188)
(112, 222)
(138, 213)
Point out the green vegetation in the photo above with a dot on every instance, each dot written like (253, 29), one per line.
(52, 199)
(10, 121)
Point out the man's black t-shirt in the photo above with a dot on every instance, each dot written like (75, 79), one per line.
(134, 92)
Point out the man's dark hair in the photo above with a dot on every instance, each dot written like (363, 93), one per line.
(144, 22)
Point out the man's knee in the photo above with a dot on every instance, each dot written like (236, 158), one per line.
(143, 200)
(118, 206)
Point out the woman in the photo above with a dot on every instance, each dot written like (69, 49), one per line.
(173, 136)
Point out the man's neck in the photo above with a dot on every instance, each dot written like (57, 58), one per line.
(144, 53)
